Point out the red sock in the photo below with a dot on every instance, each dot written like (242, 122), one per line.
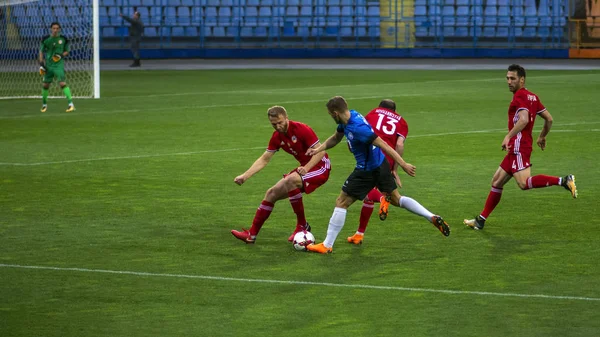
(262, 214)
(541, 181)
(492, 201)
(374, 195)
(298, 206)
(365, 215)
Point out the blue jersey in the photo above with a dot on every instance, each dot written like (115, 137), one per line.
(360, 138)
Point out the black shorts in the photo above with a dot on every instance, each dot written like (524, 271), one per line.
(361, 182)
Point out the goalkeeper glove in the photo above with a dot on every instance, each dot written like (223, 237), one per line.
(42, 69)
(56, 57)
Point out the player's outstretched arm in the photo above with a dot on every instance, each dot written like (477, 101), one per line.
(541, 141)
(329, 143)
(408, 168)
(314, 160)
(258, 165)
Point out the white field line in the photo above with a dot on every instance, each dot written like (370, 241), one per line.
(264, 147)
(305, 283)
(188, 107)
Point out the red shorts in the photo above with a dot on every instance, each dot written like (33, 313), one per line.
(316, 177)
(515, 162)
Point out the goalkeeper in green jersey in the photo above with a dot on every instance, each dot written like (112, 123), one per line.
(53, 49)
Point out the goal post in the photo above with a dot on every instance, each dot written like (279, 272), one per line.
(23, 24)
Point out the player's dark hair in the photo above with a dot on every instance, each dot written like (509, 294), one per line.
(276, 110)
(388, 104)
(55, 23)
(520, 70)
(337, 103)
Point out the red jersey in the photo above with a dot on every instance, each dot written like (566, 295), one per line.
(388, 125)
(296, 141)
(523, 99)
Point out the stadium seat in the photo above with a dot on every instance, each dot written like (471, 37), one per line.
(489, 32)
(246, 32)
(150, 31)
(448, 31)
(134, 3)
(462, 16)
(178, 32)
(531, 18)
(225, 17)
(148, 3)
(191, 31)
(529, 32)
(218, 31)
(448, 18)
(346, 32)
(490, 16)
(503, 16)
(462, 31)
(210, 16)
(170, 16)
(108, 32)
(183, 16)
(502, 32)
(188, 3)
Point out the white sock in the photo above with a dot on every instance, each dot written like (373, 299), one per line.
(414, 206)
(336, 223)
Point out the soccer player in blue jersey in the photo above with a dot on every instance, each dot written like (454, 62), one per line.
(372, 170)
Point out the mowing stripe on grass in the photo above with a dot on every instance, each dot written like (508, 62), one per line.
(263, 147)
(308, 283)
(188, 107)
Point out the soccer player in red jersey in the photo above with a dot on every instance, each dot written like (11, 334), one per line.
(393, 130)
(522, 111)
(294, 138)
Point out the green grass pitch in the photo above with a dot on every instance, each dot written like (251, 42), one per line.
(127, 205)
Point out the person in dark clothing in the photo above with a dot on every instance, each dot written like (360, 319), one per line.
(136, 31)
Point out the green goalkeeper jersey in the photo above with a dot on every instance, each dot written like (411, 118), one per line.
(51, 46)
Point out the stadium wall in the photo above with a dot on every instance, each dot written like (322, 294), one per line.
(163, 53)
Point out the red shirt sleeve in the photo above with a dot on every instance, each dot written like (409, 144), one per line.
(540, 107)
(402, 128)
(274, 143)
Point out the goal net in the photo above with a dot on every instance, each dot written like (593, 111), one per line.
(23, 24)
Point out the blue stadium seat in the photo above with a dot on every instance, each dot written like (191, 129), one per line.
(188, 3)
(304, 31)
(502, 32)
(197, 15)
(108, 32)
(210, 16)
(225, 17)
(233, 31)
(347, 11)
(346, 31)
(183, 16)
(490, 16)
(227, 3)
(462, 3)
(544, 32)
(531, 18)
(448, 18)
(503, 16)
(253, 3)
(558, 32)
(529, 32)
(191, 31)
(218, 32)
(373, 11)
(475, 31)
(174, 3)
(462, 31)
(448, 31)
(148, 3)
(246, 32)
(420, 31)
(134, 3)
(518, 16)
(489, 32)
(251, 18)
(360, 31)
(178, 32)
(108, 3)
(144, 13)
(170, 16)
(150, 31)
(292, 11)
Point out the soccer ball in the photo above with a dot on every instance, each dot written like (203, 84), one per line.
(303, 239)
